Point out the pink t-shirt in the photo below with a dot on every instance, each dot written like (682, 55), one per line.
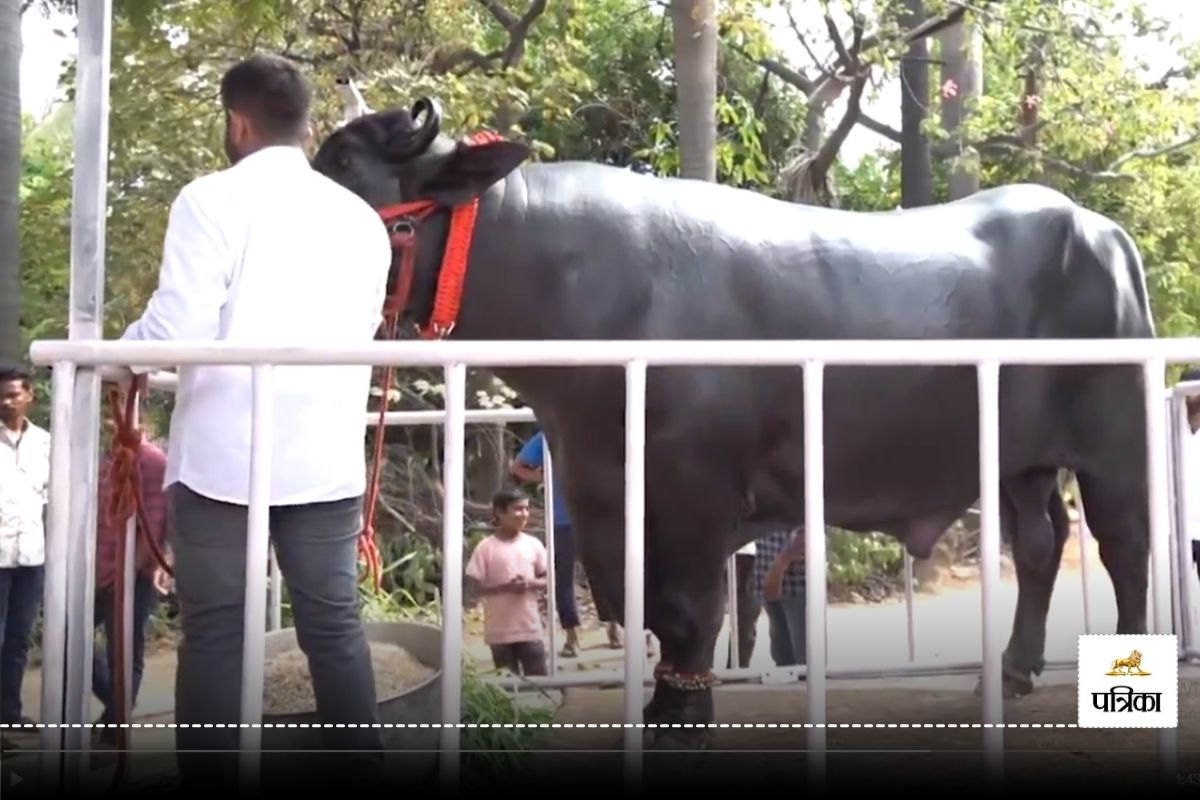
(509, 617)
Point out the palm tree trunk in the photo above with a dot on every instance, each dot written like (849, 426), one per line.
(695, 27)
(10, 177)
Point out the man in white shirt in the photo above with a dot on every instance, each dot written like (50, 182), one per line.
(24, 481)
(269, 251)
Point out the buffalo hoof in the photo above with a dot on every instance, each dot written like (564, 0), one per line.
(695, 739)
(1011, 687)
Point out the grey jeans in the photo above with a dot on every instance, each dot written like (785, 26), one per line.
(316, 546)
(788, 638)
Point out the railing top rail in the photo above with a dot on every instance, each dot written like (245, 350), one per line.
(944, 352)
(1185, 389)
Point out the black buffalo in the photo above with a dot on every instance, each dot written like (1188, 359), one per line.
(586, 251)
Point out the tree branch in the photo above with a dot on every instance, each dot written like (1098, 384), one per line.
(833, 144)
(838, 45)
(875, 125)
(780, 70)
(1053, 164)
(804, 43)
(444, 63)
(505, 17)
(1154, 152)
(519, 32)
(1187, 73)
(513, 52)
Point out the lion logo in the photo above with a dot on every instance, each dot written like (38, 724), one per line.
(1128, 666)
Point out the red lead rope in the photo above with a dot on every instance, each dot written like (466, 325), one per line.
(124, 502)
(401, 221)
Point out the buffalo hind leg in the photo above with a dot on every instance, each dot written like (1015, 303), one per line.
(1035, 517)
(1118, 517)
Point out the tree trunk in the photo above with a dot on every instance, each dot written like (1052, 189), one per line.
(10, 178)
(962, 83)
(916, 167)
(695, 29)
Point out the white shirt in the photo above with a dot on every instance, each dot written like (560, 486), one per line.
(24, 483)
(272, 252)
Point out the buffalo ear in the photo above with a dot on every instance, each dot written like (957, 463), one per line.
(466, 172)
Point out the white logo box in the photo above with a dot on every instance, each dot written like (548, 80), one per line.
(1128, 681)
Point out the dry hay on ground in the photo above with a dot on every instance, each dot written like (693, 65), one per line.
(288, 685)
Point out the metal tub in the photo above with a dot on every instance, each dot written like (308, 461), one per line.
(411, 752)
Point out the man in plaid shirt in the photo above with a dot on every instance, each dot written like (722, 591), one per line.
(779, 580)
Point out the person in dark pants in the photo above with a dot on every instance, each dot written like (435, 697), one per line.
(528, 466)
(149, 579)
(270, 250)
(24, 482)
(780, 581)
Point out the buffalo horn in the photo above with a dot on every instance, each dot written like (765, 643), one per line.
(416, 138)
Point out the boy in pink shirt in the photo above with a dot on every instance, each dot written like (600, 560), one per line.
(509, 570)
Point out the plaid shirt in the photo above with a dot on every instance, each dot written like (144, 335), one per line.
(767, 549)
(153, 465)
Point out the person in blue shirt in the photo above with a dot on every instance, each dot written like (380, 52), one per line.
(528, 466)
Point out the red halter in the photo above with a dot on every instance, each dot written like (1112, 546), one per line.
(401, 220)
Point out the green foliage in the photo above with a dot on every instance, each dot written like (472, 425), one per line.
(490, 753)
(856, 557)
(1110, 136)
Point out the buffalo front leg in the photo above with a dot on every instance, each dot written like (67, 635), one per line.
(601, 546)
(684, 609)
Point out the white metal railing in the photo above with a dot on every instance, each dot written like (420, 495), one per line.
(74, 359)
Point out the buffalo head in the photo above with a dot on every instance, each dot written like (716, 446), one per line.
(399, 156)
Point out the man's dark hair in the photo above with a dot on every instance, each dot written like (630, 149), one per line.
(505, 498)
(272, 93)
(1192, 374)
(13, 373)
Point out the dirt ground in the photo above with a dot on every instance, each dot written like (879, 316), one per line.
(947, 630)
(864, 757)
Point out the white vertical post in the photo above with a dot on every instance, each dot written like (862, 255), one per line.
(731, 590)
(635, 577)
(1183, 501)
(1174, 521)
(1156, 453)
(552, 572)
(276, 621)
(89, 211)
(258, 541)
(54, 593)
(452, 574)
(128, 618)
(1085, 536)
(908, 603)
(814, 567)
(989, 516)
